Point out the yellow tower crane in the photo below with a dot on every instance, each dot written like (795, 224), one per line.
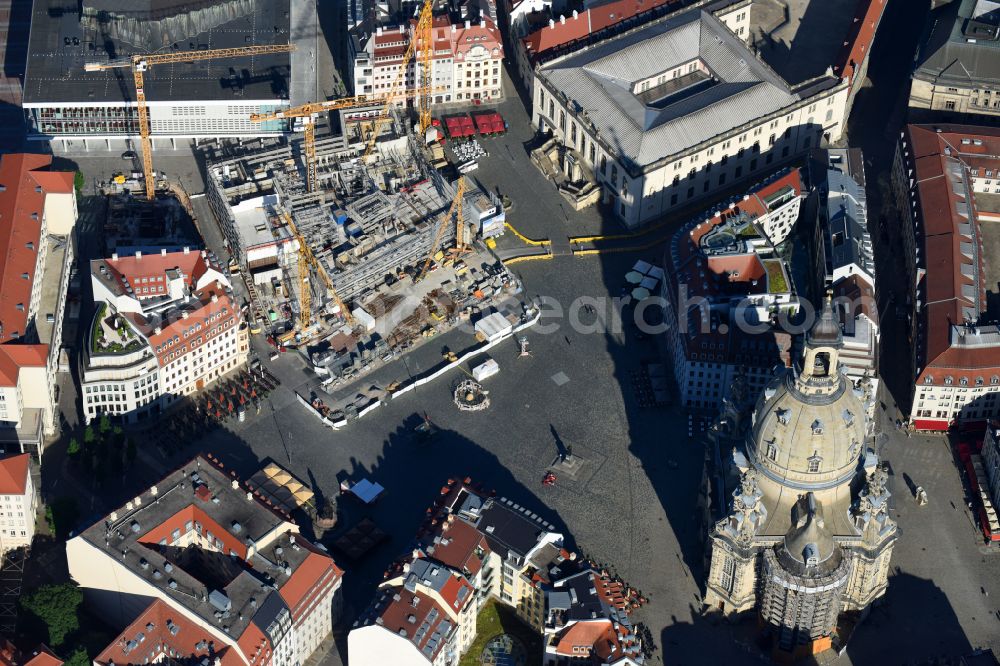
(398, 90)
(456, 210)
(306, 260)
(140, 63)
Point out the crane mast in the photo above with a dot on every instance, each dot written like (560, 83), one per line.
(140, 63)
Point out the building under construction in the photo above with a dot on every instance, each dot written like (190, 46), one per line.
(365, 224)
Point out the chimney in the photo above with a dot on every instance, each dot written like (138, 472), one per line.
(163, 251)
(402, 30)
(138, 254)
(215, 299)
(468, 25)
(185, 315)
(482, 23)
(114, 256)
(562, 19)
(204, 253)
(552, 23)
(575, 14)
(187, 250)
(452, 28)
(378, 31)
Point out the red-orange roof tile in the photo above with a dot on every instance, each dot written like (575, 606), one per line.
(14, 474)
(309, 580)
(13, 357)
(22, 204)
(43, 656)
(166, 632)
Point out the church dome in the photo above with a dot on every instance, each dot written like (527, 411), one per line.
(809, 425)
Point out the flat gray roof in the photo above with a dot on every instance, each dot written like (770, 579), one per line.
(601, 80)
(62, 40)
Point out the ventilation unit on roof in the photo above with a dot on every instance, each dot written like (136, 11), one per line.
(220, 601)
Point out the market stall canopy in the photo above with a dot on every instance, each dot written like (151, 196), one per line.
(367, 491)
(642, 266)
(633, 277)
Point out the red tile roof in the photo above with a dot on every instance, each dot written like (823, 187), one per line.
(933, 153)
(594, 637)
(858, 43)
(457, 547)
(42, 656)
(22, 204)
(14, 474)
(213, 317)
(405, 618)
(152, 266)
(569, 29)
(166, 632)
(13, 357)
(310, 580)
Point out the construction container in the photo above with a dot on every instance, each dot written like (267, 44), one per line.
(485, 370)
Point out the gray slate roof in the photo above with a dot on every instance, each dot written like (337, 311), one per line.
(948, 56)
(600, 80)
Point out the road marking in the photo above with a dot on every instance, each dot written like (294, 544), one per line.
(560, 378)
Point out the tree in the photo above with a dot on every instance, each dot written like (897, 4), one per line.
(57, 608)
(79, 657)
(88, 435)
(61, 515)
(78, 182)
(74, 447)
(105, 424)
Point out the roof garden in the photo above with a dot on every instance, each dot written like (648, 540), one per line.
(113, 334)
(777, 281)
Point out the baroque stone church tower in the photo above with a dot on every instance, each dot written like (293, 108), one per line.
(808, 537)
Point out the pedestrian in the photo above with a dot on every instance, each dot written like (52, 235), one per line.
(566, 337)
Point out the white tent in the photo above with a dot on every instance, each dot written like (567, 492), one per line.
(494, 326)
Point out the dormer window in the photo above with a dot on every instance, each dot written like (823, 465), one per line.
(930, 380)
(814, 461)
(772, 450)
(979, 381)
(821, 364)
(811, 554)
(817, 427)
(783, 416)
(949, 380)
(964, 381)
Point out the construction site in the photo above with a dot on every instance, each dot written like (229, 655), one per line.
(380, 252)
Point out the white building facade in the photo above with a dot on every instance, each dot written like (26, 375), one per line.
(167, 330)
(18, 503)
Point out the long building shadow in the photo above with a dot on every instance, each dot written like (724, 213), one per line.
(929, 631)
(412, 470)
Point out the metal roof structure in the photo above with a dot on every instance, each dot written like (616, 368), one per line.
(964, 46)
(63, 38)
(644, 125)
